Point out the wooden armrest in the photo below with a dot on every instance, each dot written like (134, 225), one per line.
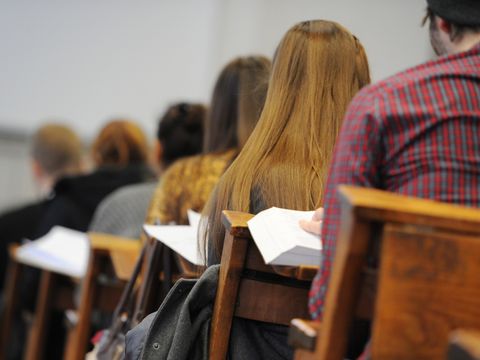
(303, 334)
(235, 222)
(380, 205)
(123, 251)
(101, 241)
(464, 345)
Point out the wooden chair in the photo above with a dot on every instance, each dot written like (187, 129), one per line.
(428, 283)
(11, 297)
(250, 289)
(55, 291)
(105, 249)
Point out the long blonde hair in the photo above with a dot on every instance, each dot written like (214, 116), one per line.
(317, 69)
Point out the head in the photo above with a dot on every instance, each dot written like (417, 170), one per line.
(56, 151)
(454, 25)
(237, 100)
(180, 133)
(120, 143)
(318, 67)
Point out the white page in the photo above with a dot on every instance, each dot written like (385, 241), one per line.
(277, 231)
(62, 250)
(180, 238)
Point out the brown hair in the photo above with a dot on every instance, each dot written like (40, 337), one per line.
(120, 142)
(318, 67)
(57, 149)
(237, 101)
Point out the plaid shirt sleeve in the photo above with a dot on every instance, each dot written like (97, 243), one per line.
(356, 161)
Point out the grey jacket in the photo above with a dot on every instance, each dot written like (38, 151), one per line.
(179, 329)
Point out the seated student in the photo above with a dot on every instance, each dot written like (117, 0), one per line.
(120, 156)
(285, 161)
(56, 152)
(179, 134)
(236, 102)
(318, 67)
(416, 133)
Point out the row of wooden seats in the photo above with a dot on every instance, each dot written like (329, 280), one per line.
(427, 284)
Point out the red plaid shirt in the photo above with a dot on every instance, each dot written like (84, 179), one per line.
(416, 133)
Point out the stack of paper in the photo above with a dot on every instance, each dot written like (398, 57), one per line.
(62, 250)
(180, 238)
(280, 239)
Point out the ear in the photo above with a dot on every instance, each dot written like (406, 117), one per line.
(158, 151)
(443, 25)
(37, 170)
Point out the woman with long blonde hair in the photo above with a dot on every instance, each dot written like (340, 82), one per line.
(318, 67)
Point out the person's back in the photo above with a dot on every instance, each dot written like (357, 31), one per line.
(237, 100)
(120, 156)
(179, 134)
(56, 151)
(416, 133)
(285, 160)
(236, 103)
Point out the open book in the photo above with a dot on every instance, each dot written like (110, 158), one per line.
(62, 250)
(280, 239)
(180, 238)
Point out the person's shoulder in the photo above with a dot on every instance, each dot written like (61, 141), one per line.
(23, 212)
(129, 193)
(416, 77)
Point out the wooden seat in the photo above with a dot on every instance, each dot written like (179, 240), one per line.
(11, 297)
(428, 285)
(104, 250)
(250, 289)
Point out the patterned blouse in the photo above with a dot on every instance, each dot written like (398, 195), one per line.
(187, 184)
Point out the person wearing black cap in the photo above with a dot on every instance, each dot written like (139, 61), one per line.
(416, 133)
(454, 25)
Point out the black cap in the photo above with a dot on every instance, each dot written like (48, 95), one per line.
(461, 12)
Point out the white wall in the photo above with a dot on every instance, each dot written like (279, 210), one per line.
(88, 60)
(389, 29)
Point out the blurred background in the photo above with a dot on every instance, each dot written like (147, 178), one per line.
(84, 62)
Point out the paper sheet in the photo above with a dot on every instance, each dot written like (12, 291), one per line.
(280, 239)
(62, 250)
(180, 238)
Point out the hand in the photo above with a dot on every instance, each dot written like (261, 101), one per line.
(313, 226)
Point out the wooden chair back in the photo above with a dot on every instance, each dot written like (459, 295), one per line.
(428, 283)
(106, 252)
(250, 289)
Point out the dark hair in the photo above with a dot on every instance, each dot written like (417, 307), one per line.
(457, 29)
(120, 142)
(236, 103)
(180, 131)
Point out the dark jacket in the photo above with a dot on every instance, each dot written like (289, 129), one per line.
(74, 199)
(16, 225)
(180, 328)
